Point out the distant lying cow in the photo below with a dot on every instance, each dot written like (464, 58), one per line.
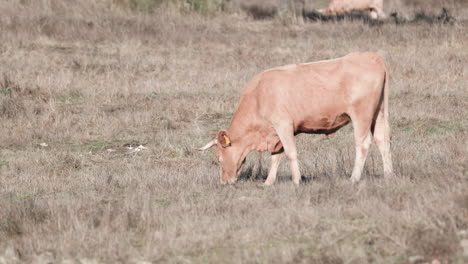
(339, 7)
(316, 98)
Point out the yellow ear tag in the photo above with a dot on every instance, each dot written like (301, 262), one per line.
(228, 141)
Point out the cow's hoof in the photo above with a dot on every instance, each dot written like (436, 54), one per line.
(267, 184)
(354, 180)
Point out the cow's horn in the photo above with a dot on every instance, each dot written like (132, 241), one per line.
(209, 145)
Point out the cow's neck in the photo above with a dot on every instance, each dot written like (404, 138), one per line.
(241, 133)
(244, 131)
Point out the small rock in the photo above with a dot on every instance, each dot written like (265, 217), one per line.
(46, 257)
(137, 149)
(415, 259)
(464, 245)
(43, 144)
(88, 261)
(3, 260)
(141, 262)
(68, 261)
(12, 254)
(435, 261)
(463, 233)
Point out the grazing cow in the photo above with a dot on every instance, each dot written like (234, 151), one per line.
(316, 98)
(339, 7)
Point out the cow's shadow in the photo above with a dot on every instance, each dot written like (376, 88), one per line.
(254, 171)
(443, 18)
(363, 16)
(258, 171)
(420, 17)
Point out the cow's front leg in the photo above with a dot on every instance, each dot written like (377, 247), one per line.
(286, 135)
(275, 161)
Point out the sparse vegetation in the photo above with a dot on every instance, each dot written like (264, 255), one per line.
(82, 83)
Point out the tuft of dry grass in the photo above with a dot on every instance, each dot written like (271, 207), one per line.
(81, 82)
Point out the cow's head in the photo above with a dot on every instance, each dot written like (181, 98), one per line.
(229, 155)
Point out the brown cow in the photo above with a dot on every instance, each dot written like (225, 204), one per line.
(316, 98)
(342, 6)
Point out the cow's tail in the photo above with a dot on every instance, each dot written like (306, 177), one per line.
(385, 102)
(385, 147)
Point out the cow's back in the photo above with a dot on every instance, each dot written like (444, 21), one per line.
(317, 93)
(348, 5)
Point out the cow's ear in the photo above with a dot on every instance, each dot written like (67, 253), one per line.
(224, 139)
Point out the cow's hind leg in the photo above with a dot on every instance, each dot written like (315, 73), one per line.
(275, 161)
(363, 137)
(286, 135)
(381, 132)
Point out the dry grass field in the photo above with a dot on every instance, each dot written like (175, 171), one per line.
(82, 83)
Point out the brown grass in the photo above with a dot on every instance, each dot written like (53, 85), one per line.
(88, 76)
